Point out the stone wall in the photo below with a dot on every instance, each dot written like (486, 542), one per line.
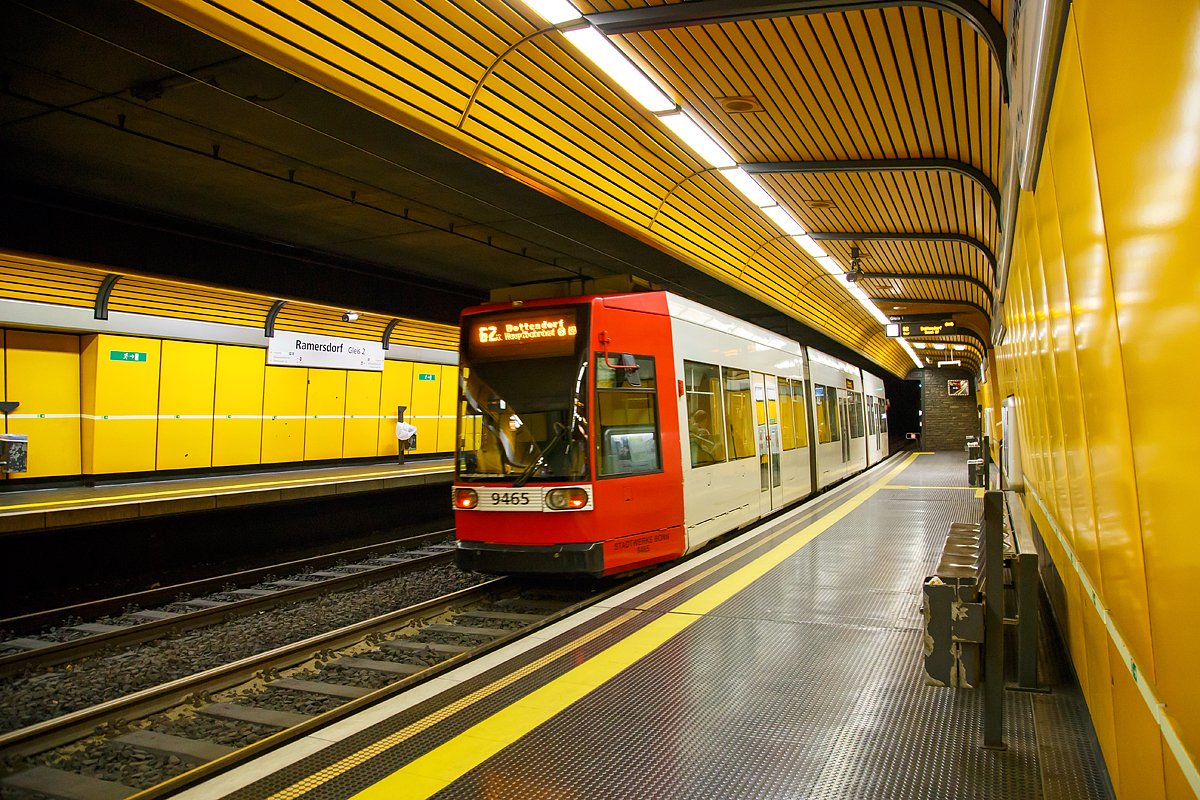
(947, 421)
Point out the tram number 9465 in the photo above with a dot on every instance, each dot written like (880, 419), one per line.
(510, 498)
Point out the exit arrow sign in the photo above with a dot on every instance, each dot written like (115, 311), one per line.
(126, 355)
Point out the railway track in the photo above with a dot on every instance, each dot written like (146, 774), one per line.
(127, 620)
(157, 740)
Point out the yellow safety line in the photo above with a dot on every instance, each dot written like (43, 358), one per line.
(898, 486)
(231, 489)
(441, 766)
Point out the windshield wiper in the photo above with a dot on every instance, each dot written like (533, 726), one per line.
(528, 473)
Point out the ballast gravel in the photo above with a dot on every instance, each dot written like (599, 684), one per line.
(34, 696)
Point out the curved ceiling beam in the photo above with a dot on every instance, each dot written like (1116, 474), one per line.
(714, 12)
(924, 276)
(959, 330)
(882, 165)
(905, 236)
(885, 301)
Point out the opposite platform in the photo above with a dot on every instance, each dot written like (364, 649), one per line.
(36, 509)
(784, 663)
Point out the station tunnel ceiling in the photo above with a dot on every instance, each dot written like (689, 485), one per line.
(876, 129)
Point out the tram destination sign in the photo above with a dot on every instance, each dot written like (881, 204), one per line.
(292, 349)
(522, 334)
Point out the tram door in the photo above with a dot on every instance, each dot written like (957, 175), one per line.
(844, 423)
(766, 421)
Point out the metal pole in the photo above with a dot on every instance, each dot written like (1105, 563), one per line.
(993, 621)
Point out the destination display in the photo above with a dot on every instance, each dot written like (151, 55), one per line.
(522, 334)
(897, 329)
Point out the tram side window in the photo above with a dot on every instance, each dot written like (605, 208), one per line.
(856, 416)
(822, 415)
(801, 408)
(739, 413)
(787, 428)
(706, 422)
(870, 415)
(883, 415)
(831, 409)
(627, 417)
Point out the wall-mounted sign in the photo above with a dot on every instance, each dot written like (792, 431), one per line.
(291, 349)
(126, 355)
(906, 329)
(958, 388)
(522, 334)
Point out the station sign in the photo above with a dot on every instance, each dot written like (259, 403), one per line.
(293, 349)
(522, 334)
(932, 328)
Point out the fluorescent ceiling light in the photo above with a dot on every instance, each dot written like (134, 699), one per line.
(748, 186)
(700, 142)
(599, 49)
(919, 345)
(955, 363)
(831, 266)
(960, 347)
(939, 346)
(810, 246)
(554, 11)
(784, 220)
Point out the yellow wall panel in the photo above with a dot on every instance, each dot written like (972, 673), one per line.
(449, 399)
(119, 403)
(1142, 79)
(326, 410)
(426, 405)
(285, 395)
(1102, 377)
(361, 437)
(238, 405)
(395, 390)
(41, 372)
(1139, 750)
(185, 404)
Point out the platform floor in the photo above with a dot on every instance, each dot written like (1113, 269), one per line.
(783, 664)
(35, 509)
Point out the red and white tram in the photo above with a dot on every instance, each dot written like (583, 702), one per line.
(600, 434)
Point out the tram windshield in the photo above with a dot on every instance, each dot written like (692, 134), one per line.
(523, 399)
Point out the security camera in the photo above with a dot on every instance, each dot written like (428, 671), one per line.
(350, 316)
(854, 274)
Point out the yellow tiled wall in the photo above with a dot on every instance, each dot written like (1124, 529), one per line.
(1103, 312)
(102, 403)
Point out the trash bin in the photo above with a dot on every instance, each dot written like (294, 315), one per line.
(14, 450)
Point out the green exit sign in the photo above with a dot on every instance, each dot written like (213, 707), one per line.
(126, 355)
(426, 376)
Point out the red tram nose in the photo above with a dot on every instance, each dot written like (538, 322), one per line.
(465, 498)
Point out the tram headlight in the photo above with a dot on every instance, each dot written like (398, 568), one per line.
(465, 498)
(566, 499)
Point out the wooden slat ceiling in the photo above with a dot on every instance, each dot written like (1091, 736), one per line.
(971, 356)
(491, 79)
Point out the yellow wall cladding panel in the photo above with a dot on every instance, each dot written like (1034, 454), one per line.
(1141, 77)
(326, 409)
(120, 412)
(185, 404)
(446, 409)
(425, 411)
(1086, 249)
(361, 437)
(285, 395)
(42, 281)
(41, 372)
(238, 405)
(395, 390)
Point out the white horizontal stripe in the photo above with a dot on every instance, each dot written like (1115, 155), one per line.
(43, 416)
(1158, 709)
